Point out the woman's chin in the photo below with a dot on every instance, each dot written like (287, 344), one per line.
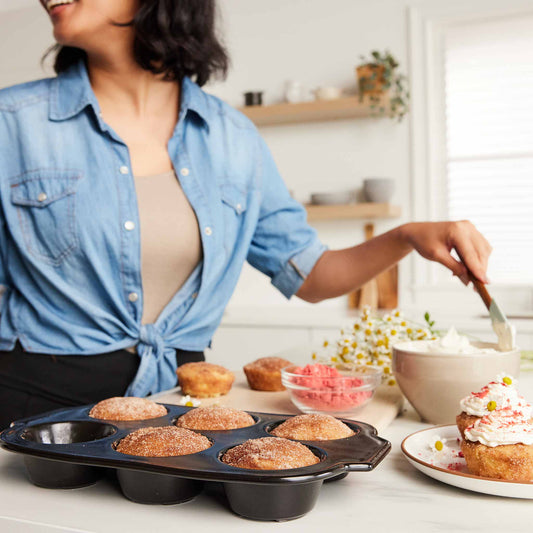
(65, 36)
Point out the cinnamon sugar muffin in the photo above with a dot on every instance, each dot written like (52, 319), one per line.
(166, 441)
(204, 380)
(500, 446)
(215, 418)
(127, 408)
(312, 427)
(270, 453)
(265, 373)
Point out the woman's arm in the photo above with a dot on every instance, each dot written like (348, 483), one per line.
(340, 271)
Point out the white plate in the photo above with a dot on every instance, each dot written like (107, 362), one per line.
(450, 468)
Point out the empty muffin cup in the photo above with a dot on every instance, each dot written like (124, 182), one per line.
(52, 474)
(270, 501)
(149, 488)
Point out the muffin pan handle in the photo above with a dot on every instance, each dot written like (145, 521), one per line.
(369, 450)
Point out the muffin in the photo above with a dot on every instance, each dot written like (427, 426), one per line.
(270, 453)
(500, 446)
(204, 380)
(166, 441)
(265, 373)
(498, 396)
(312, 427)
(215, 418)
(127, 408)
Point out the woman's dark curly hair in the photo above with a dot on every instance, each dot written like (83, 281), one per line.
(176, 38)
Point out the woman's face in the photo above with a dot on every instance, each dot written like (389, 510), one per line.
(83, 23)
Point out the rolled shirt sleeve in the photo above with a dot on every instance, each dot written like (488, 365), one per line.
(284, 246)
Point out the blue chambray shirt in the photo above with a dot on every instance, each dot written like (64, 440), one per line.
(70, 270)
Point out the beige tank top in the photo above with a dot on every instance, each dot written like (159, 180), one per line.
(170, 240)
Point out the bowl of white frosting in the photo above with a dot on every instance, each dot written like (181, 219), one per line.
(434, 375)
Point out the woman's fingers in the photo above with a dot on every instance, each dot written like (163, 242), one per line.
(436, 240)
(443, 256)
(473, 249)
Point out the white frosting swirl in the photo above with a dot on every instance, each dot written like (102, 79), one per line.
(505, 396)
(451, 344)
(498, 430)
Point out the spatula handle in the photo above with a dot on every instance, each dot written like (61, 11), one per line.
(481, 289)
(479, 285)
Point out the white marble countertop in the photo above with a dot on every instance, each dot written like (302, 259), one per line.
(395, 497)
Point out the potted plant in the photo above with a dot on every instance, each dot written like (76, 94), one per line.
(379, 77)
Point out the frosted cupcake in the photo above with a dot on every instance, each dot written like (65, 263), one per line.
(500, 446)
(499, 396)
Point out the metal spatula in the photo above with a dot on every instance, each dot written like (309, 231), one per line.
(501, 326)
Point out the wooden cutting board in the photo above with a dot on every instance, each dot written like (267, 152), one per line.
(380, 292)
(380, 412)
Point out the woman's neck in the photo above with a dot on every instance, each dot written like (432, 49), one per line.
(118, 81)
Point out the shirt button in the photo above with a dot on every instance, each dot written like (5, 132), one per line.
(129, 225)
(124, 169)
(133, 297)
(239, 208)
(208, 230)
(184, 171)
(194, 295)
(42, 197)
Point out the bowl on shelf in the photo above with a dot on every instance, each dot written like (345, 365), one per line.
(379, 190)
(333, 198)
(335, 390)
(434, 383)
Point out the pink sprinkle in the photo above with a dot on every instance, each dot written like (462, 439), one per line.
(455, 466)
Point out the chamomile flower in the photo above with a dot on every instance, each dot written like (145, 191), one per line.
(370, 338)
(437, 444)
(190, 402)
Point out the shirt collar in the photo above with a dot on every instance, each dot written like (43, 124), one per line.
(72, 92)
(194, 99)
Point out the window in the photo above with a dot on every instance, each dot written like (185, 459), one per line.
(488, 114)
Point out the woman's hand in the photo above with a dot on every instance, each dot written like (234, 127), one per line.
(435, 241)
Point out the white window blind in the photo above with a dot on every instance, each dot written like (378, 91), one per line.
(489, 127)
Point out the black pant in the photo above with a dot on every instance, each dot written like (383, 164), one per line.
(32, 383)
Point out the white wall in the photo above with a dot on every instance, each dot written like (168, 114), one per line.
(25, 34)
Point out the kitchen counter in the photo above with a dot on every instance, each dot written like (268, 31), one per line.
(395, 497)
(335, 318)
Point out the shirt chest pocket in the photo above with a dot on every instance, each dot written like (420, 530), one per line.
(45, 202)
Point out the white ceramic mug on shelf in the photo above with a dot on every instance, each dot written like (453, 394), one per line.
(327, 93)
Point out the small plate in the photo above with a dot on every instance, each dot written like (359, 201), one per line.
(449, 466)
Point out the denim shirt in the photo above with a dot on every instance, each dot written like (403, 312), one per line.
(70, 270)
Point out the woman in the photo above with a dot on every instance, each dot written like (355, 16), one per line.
(130, 200)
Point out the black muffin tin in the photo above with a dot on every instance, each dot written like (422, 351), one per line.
(69, 449)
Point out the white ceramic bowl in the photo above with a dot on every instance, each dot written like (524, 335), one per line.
(378, 190)
(435, 383)
(332, 198)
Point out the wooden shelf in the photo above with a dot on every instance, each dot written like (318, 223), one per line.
(317, 111)
(352, 211)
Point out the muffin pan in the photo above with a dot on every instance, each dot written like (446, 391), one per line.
(68, 449)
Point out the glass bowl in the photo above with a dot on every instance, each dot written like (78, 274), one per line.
(335, 390)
